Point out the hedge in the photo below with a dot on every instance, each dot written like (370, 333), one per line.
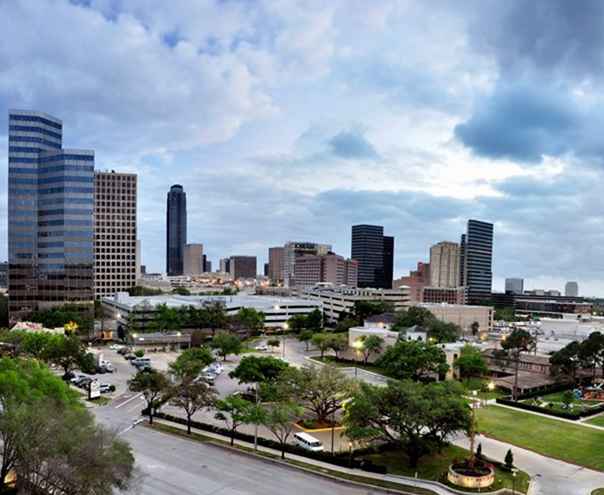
(339, 458)
(550, 412)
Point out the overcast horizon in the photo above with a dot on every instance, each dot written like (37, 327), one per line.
(295, 120)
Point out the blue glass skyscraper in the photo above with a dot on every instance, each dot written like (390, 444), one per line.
(176, 229)
(50, 216)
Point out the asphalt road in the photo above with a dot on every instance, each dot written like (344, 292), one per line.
(169, 465)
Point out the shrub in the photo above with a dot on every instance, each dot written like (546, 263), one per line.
(139, 353)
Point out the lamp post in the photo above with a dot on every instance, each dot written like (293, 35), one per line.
(285, 327)
(473, 426)
(350, 454)
(333, 429)
(514, 480)
(358, 345)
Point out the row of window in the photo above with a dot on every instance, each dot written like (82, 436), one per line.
(68, 233)
(31, 139)
(64, 211)
(35, 118)
(56, 168)
(60, 201)
(26, 128)
(75, 223)
(63, 190)
(67, 157)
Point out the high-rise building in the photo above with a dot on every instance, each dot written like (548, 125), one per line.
(50, 217)
(193, 259)
(514, 285)
(207, 265)
(375, 254)
(243, 267)
(116, 254)
(176, 230)
(478, 261)
(444, 265)
(139, 263)
(388, 261)
(266, 267)
(225, 265)
(275, 264)
(571, 289)
(4, 274)
(327, 268)
(292, 251)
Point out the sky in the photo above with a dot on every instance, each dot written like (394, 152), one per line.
(293, 120)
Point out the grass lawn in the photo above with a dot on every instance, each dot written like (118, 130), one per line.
(347, 364)
(434, 467)
(598, 421)
(598, 491)
(573, 443)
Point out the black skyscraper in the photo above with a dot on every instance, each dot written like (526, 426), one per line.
(374, 252)
(477, 260)
(176, 229)
(388, 261)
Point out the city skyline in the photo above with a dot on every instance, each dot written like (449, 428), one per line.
(249, 148)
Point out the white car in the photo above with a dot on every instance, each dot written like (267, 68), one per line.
(261, 347)
(216, 368)
(115, 347)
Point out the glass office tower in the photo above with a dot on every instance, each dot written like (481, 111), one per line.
(477, 261)
(176, 229)
(50, 217)
(367, 247)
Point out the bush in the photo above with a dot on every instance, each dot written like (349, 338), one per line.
(139, 353)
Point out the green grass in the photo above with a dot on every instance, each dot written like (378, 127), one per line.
(568, 442)
(598, 491)
(408, 490)
(481, 384)
(347, 364)
(597, 421)
(434, 467)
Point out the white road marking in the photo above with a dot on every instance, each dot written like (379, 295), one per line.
(129, 400)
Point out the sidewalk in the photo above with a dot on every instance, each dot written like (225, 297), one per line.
(433, 486)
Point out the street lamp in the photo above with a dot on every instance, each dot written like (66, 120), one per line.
(285, 327)
(350, 454)
(473, 429)
(514, 480)
(358, 345)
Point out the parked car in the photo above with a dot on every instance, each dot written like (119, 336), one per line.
(216, 368)
(116, 347)
(209, 378)
(261, 348)
(106, 388)
(130, 357)
(70, 375)
(76, 379)
(141, 361)
(124, 350)
(83, 382)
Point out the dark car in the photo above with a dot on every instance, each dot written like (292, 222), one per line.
(70, 375)
(129, 357)
(83, 382)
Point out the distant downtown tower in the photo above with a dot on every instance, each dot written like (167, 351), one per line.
(50, 216)
(176, 229)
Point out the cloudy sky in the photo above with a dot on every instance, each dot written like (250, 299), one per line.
(290, 120)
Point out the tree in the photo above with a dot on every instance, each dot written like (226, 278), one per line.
(216, 317)
(81, 314)
(251, 319)
(372, 344)
(322, 341)
(226, 344)
(470, 362)
(139, 353)
(505, 314)
(442, 332)
(190, 362)
(166, 318)
(234, 411)
(475, 327)
(415, 315)
(280, 418)
(413, 360)
(297, 323)
(314, 320)
(258, 369)
(152, 384)
(66, 352)
(305, 336)
(417, 417)
(515, 343)
(337, 343)
(591, 352)
(192, 396)
(566, 361)
(364, 309)
(509, 460)
(568, 398)
(321, 389)
(272, 343)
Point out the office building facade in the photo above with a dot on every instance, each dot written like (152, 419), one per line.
(514, 285)
(478, 260)
(225, 265)
(275, 264)
(193, 259)
(415, 281)
(329, 268)
(292, 251)
(116, 254)
(571, 289)
(375, 254)
(243, 267)
(444, 265)
(50, 217)
(176, 230)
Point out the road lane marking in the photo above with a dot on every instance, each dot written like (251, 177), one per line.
(129, 400)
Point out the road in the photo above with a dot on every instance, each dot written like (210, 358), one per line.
(172, 465)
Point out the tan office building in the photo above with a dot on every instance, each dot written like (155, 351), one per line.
(114, 232)
(463, 315)
(193, 259)
(444, 264)
(275, 264)
(330, 268)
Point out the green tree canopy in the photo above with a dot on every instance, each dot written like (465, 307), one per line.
(417, 417)
(280, 418)
(190, 362)
(371, 344)
(153, 385)
(364, 309)
(258, 369)
(470, 362)
(192, 396)
(234, 411)
(251, 319)
(413, 360)
(226, 344)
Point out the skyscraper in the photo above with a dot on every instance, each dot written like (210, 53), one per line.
(292, 251)
(571, 289)
(116, 257)
(243, 267)
(375, 254)
(478, 260)
(193, 259)
(176, 229)
(444, 264)
(50, 216)
(388, 261)
(275, 264)
(514, 285)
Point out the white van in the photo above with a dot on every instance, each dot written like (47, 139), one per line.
(308, 442)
